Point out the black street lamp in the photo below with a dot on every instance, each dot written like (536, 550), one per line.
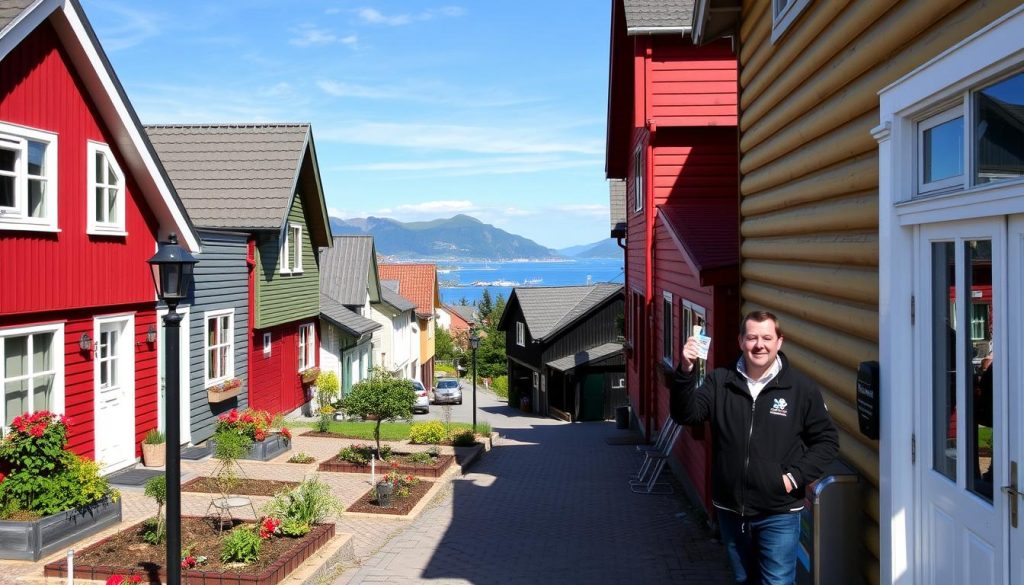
(474, 342)
(172, 276)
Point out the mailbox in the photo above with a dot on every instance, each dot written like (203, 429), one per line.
(831, 550)
(867, 399)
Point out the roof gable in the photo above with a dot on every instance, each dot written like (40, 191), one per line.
(244, 176)
(417, 282)
(547, 310)
(348, 270)
(18, 18)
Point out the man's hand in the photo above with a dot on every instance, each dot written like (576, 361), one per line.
(689, 354)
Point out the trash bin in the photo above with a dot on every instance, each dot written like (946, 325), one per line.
(622, 417)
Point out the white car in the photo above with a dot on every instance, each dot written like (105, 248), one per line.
(422, 403)
(448, 391)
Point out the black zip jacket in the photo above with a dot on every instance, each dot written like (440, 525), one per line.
(753, 443)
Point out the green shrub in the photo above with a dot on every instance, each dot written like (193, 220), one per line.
(500, 386)
(360, 454)
(425, 457)
(241, 545)
(464, 439)
(427, 433)
(299, 509)
(154, 437)
(327, 388)
(155, 530)
(301, 457)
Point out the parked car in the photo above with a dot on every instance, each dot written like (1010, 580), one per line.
(422, 403)
(448, 391)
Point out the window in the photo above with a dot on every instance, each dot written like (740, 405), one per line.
(784, 14)
(667, 330)
(520, 334)
(291, 250)
(940, 163)
(220, 346)
(694, 315)
(307, 346)
(267, 344)
(28, 179)
(638, 179)
(31, 371)
(106, 192)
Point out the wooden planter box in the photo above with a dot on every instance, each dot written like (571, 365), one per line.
(29, 541)
(417, 469)
(215, 397)
(319, 536)
(264, 450)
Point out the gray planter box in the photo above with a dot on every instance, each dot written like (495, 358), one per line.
(264, 450)
(29, 541)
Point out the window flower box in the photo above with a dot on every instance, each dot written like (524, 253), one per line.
(225, 390)
(32, 540)
(309, 375)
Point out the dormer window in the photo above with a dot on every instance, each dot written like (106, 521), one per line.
(106, 192)
(28, 179)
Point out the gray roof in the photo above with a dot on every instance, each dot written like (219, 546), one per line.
(351, 322)
(590, 356)
(233, 176)
(348, 268)
(10, 9)
(617, 201)
(389, 294)
(646, 16)
(549, 309)
(467, 312)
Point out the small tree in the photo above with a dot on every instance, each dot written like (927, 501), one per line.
(156, 488)
(327, 388)
(381, 396)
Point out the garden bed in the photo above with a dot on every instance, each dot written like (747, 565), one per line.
(245, 487)
(419, 469)
(32, 539)
(126, 553)
(399, 506)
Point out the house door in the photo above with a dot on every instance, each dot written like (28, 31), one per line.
(114, 381)
(968, 433)
(184, 380)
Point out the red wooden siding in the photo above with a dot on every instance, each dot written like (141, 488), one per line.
(695, 162)
(69, 269)
(274, 383)
(690, 85)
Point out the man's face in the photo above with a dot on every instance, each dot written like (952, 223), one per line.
(760, 344)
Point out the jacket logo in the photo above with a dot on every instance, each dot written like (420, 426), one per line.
(779, 407)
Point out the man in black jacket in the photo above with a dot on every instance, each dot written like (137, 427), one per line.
(771, 436)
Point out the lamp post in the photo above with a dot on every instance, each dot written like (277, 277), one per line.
(474, 342)
(172, 276)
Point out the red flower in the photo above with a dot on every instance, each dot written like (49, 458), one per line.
(65, 420)
(2, 477)
(286, 433)
(268, 527)
(37, 430)
(121, 579)
(260, 435)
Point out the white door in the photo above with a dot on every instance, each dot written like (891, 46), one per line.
(1012, 370)
(184, 380)
(114, 381)
(963, 451)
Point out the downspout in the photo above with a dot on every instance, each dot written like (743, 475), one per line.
(651, 379)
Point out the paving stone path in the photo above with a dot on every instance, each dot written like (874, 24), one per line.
(549, 504)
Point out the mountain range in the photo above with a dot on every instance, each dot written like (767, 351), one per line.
(459, 238)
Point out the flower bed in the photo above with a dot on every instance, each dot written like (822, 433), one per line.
(267, 443)
(399, 506)
(126, 553)
(245, 487)
(338, 464)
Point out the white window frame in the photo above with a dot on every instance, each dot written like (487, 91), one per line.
(638, 179)
(307, 348)
(982, 58)
(16, 138)
(784, 14)
(668, 329)
(56, 350)
(268, 344)
(955, 182)
(520, 334)
(229, 342)
(292, 242)
(95, 226)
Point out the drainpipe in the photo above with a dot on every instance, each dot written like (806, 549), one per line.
(650, 379)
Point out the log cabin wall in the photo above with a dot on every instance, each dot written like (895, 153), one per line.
(809, 183)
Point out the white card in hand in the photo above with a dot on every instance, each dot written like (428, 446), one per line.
(703, 342)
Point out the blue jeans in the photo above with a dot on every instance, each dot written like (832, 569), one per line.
(762, 549)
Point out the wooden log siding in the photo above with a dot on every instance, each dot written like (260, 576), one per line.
(809, 181)
(221, 282)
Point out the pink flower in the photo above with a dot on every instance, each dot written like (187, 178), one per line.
(37, 430)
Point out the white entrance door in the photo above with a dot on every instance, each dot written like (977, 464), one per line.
(114, 381)
(184, 381)
(964, 454)
(1012, 370)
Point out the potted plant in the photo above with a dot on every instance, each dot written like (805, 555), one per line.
(386, 489)
(258, 426)
(154, 449)
(309, 375)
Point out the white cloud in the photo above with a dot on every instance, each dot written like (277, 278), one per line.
(308, 35)
(374, 16)
(429, 92)
(583, 209)
(134, 27)
(438, 208)
(342, 89)
(481, 139)
(465, 167)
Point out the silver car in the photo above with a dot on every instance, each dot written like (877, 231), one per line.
(448, 391)
(422, 403)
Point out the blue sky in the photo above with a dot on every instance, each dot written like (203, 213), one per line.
(420, 109)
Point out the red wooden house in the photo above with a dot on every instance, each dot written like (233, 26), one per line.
(83, 202)
(672, 139)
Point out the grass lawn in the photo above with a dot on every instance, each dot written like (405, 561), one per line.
(389, 431)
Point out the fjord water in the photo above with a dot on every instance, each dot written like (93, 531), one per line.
(468, 280)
